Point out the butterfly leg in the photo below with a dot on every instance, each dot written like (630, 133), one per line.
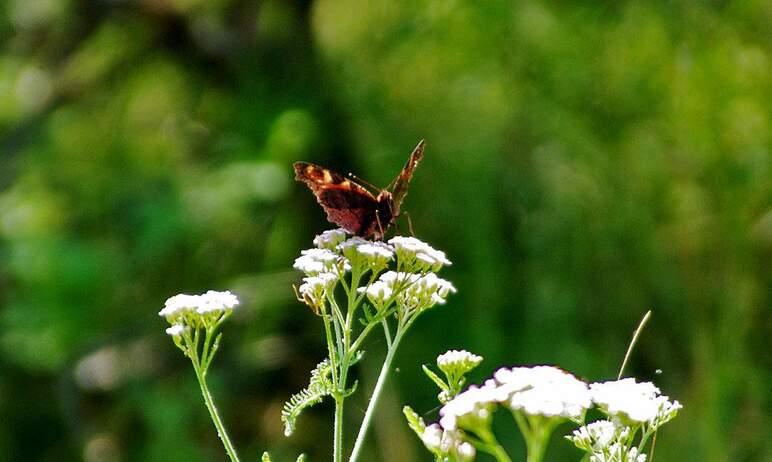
(409, 223)
(380, 228)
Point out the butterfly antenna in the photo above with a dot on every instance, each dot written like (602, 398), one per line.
(361, 181)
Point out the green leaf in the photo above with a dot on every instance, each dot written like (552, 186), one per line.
(319, 386)
(415, 421)
(357, 357)
(435, 378)
(301, 458)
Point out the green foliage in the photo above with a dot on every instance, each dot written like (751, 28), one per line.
(319, 386)
(585, 162)
(414, 421)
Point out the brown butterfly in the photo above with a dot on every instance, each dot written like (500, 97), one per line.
(350, 204)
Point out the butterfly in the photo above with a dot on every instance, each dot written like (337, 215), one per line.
(350, 205)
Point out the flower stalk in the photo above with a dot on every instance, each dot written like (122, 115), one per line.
(192, 317)
(357, 272)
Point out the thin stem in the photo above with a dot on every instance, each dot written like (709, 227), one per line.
(359, 444)
(536, 432)
(330, 346)
(633, 342)
(337, 455)
(386, 332)
(653, 444)
(215, 415)
(536, 446)
(492, 446)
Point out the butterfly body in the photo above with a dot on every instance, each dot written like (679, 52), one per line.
(351, 205)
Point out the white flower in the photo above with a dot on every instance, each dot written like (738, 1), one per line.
(469, 409)
(630, 401)
(420, 292)
(375, 255)
(447, 442)
(618, 453)
(413, 291)
(667, 410)
(315, 261)
(382, 290)
(179, 305)
(432, 437)
(197, 310)
(176, 330)
(543, 390)
(457, 362)
(216, 302)
(315, 288)
(379, 292)
(330, 238)
(465, 452)
(599, 435)
(416, 255)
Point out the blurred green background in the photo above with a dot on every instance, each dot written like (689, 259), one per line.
(586, 162)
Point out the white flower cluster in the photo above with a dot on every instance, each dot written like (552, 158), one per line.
(184, 311)
(470, 409)
(316, 261)
(630, 405)
(413, 291)
(457, 362)
(447, 443)
(618, 453)
(606, 441)
(370, 254)
(633, 402)
(418, 255)
(543, 390)
(599, 435)
(314, 289)
(330, 239)
(414, 287)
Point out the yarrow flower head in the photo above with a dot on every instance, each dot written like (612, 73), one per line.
(457, 362)
(618, 453)
(178, 306)
(471, 409)
(330, 238)
(447, 443)
(414, 255)
(599, 436)
(371, 255)
(315, 261)
(414, 292)
(633, 402)
(217, 302)
(543, 390)
(198, 310)
(315, 289)
(176, 330)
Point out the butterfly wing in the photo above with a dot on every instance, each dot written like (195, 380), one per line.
(402, 181)
(347, 203)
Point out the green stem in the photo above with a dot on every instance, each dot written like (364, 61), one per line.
(633, 342)
(536, 448)
(492, 446)
(377, 391)
(337, 455)
(499, 453)
(536, 431)
(215, 416)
